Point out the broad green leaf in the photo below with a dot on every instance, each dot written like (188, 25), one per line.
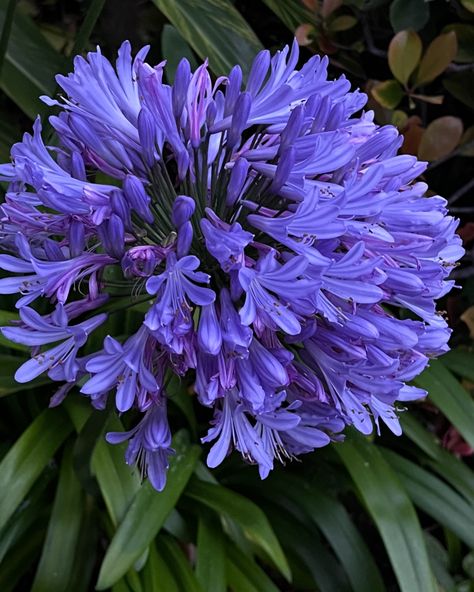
(450, 397)
(210, 562)
(459, 85)
(409, 14)
(117, 482)
(59, 550)
(6, 317)
(19, 560)
(291, 12)
(237, 579)
(439, 54)
(460, 361)
(434, 497)
(93, 12)
(146, 515)
(257, 578)
(247, 515)
(27, 458)
(172, 554)
(10, 7)
(30, 63)
(465, 39)
(215, 30)
(8, 385)
(439, 561)
(468, 5)
(452, 469)
(342, 23)
(302, 542)
(335, 523)
(174, 48)
(404, 53)
(392, 511)
(156, 574)
(440, 138)
(388, 93)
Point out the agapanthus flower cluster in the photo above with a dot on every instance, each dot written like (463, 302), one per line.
(268, 230)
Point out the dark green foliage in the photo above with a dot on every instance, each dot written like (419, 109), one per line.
(368, 515)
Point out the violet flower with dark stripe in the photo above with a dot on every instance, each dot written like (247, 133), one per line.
(256, 232)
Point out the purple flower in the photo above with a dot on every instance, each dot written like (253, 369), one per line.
(260, 233)
(60, 361)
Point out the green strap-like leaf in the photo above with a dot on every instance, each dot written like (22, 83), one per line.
(450, 397)
(30, 63)
(247, 515)
(335, 523)
(59, 550)
(146, 515)
(461, 362)
(253, 572)
(392, 511)
(118, 483)
(174, 48)
(26, 460)
(210, 563)
(434, 497)
(156, 574)
(215, 30)
(172, 554)
(452, 469)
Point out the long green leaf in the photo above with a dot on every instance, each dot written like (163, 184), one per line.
(117, 482)
(452, 469)
(461, 362)
(146, 515)
(291, 12)
(210, 563)
(334, 521)
(390, 507)
(434, 497)
(59, 550)
(178, 564)
(174, 48)
(253, 572)
(302, 543)
(8, 384)
(450, 397)
(156, 574)
(26, 460)
(93, 12)
(30, 63)
(247, 514)
(215, 30)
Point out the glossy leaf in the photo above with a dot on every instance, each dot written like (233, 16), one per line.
(388, 93)
(404, 53)
(243, 564)
(465, 39)
(27, 458)
(459, 85)
(59, 550)
(156, 574)
(178, 564)
(392, 511)
(30, 63)
(434, 497)
(247, 514)
(146, 515)
(439, 54)
(409, 14)
(210, 562)
(215, 30)
(174, 48)
(117, 482)
(440, 138)
(450, 397)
